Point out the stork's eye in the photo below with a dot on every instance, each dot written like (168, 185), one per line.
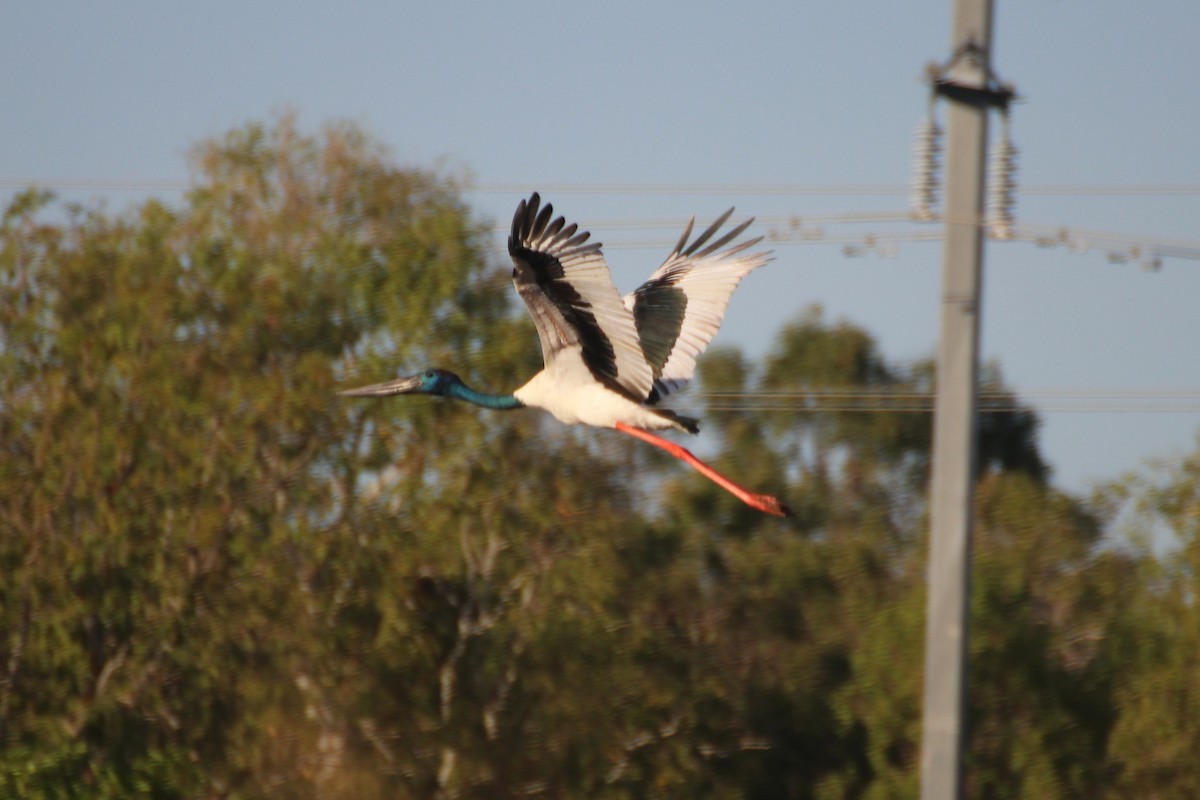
(428, 373)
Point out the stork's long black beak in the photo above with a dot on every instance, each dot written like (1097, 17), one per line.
(399, 386)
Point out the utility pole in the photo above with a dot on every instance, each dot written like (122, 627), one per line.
(966, 81)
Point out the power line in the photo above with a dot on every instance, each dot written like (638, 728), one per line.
(1055, 393)
(984, 408)
(1139, 401)
(113, 184)
(804, 229)
(1117, 247)
(732, 188)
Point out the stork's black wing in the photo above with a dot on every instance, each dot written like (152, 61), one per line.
(567, 287)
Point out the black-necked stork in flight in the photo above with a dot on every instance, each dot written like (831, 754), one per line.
(608, 360)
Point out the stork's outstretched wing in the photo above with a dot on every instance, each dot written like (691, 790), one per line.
(566, 284)
(678, 311)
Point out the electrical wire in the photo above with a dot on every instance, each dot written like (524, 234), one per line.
(796, 229)
(1066, 400)
(762, 189)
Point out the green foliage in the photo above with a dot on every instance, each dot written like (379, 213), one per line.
(222, 580)
(1043, 682)
(1158, 639)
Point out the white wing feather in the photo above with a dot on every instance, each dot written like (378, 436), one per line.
(706, 278)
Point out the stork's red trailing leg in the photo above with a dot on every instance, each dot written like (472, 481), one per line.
(763, 502)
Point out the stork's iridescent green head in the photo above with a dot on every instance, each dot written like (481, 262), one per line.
(441, 382)
(431, 381)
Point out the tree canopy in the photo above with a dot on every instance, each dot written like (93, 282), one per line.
(222, 580)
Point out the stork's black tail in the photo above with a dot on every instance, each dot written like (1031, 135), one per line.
(689, 424)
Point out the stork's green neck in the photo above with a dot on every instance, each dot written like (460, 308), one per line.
(500, 402)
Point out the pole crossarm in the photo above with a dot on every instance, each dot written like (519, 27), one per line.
(990, 92)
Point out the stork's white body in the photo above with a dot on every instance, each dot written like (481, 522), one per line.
(568, 391)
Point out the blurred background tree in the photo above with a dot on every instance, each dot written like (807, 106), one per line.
(220, 580)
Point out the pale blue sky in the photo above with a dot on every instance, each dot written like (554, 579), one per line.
(782, 93)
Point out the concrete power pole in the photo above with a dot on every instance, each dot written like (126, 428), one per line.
(966, 81)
